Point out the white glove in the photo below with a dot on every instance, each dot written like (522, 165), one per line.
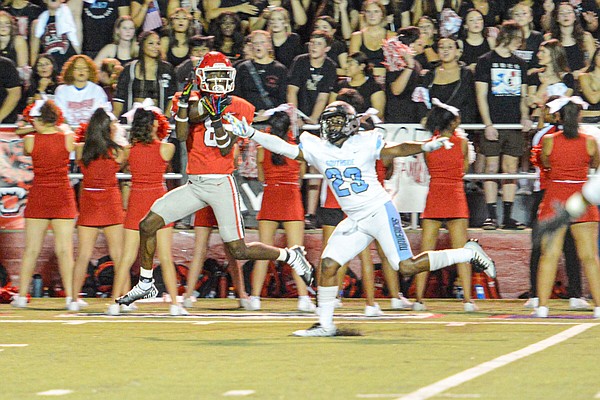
(436, 143)
(239, 128)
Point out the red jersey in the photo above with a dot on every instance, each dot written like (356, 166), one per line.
(204, 157)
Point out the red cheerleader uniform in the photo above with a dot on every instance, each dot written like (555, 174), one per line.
(569, 165)
(147, 168)
(51, 195)
(282, 200)
(100, 202)
(205, 217)
(446, 198)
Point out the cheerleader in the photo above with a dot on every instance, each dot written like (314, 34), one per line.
(100, 203)
(51, 200)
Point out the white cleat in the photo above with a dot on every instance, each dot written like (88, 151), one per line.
(481, 262)
(19, 302)
(541, 312)
(113, 310)
(175, 310)
(373, 311)
(401, 303)
(316, 331)
(297, 260)
(578, 303)
(532, 302)
(418, 306)
(470, 307)
(305, 305)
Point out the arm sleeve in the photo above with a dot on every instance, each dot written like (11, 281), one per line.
(276, 145)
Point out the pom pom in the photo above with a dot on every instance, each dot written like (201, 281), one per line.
(79, 136)
(395, 52)
(29, 119)
(164, 128)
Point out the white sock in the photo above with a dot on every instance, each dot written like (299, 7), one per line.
(306, 298)
(146, 273)
(326, 296)
(69, 300)
(283, 255)
(444, 258)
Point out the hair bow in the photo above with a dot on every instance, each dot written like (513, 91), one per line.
(147, 104)
(436, 102)
(36, 110)
(556, 105)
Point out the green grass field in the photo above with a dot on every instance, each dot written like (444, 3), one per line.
(223, 352)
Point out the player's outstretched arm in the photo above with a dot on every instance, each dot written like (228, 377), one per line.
(409, 148)
(269, 142)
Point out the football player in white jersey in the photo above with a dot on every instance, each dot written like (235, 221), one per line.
(346, 158)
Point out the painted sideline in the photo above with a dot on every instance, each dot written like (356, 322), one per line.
(488, 366)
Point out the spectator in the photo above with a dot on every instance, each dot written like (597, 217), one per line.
(295, 8)
(490, 10)
(10, 91)
(110, 69)
(227, 31)
(214, 8)
(451, 82)
(578, 43)
(339, 50)
(95, 21)
(147, 77)
(100, 204)
(476, 43)
(412, 11)
(51, 200)
(429, 36)
(343, 14)
(501, 88)
(281, 179)
(400, 85)
(262, 81)
(361, 79)
(523, 15)
(124, 46)
(174, 45)
(369, 39)
(569, 155)
(590, 90)
(44, 79)
(54, 32)
(25, 13)
(586, 12)
(199, 46)
(12, 45)
(148, 14)
(79, 95)
(287, 44)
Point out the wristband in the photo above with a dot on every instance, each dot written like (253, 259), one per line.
(186, 119)
(182, 104)
(224, 145)
(225, 136)
(216, 123)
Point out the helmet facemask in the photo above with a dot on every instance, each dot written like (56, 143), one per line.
(337, 123)
(217, 79)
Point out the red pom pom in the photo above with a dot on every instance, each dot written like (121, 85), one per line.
(535, 156)
(163, 126)
(26, 117)
(80, 132)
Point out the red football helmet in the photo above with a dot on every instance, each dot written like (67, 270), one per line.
(215, 74)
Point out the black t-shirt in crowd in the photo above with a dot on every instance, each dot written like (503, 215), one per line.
(504, 76)
(532, 45)
(366, 90)
(274, 81)
(9, 78)
(291, 48)
(311, 81)
(337, 47)
(401, 108)
(25, 16)
(98, 20)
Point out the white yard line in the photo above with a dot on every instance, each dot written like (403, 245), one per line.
(458, 379)
(597, 396)
(14, 345)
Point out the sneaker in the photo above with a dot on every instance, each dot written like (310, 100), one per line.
(481, 262)
(128, 308)
(373, 311)
(175, 310)
(73, 306)
(137, 293)
(188, 302)
(300, 264)
(541, 312)
(490, 224)
(578, 303)
(254, 303)
(596, 312)
(245, 304)
(19, 302)
(533, 302)
(401, 303)
(305, 305)
(418, 306)
(316, 331)
(470, 307)
(513, 225)
(113, 310)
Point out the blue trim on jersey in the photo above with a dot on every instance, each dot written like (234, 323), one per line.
(395, 225)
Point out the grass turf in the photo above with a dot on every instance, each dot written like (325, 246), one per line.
(146, 355)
